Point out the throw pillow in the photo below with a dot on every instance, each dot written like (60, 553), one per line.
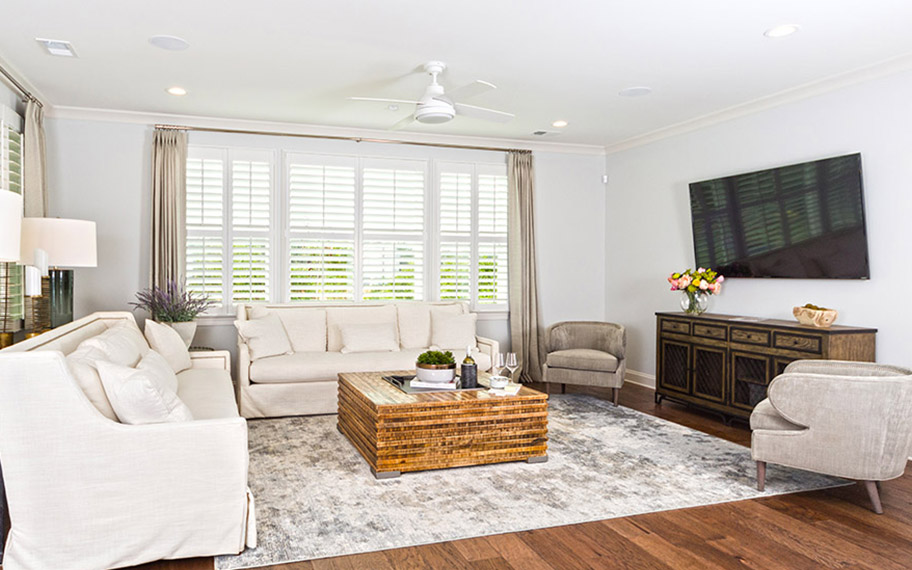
(453, 332)
(264, 336)
(140, 395)
(165, 341)
(158, 365)
(121, 344)
(377, 337)
(83, 367)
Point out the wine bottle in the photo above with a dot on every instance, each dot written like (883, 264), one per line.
(469, 371)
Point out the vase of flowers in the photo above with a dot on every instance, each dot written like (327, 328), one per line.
(696, 287)
(174, 306)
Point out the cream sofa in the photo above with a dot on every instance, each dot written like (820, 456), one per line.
(85, 491)
(306, 381)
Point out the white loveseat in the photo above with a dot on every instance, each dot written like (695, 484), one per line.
(305, 381)
(85, 491)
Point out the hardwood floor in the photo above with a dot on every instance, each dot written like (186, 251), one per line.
(833, 528)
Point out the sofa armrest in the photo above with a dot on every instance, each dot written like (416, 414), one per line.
(488, 346)
(220, 359)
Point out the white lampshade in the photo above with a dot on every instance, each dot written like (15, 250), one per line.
(68, 243)
(10, 224)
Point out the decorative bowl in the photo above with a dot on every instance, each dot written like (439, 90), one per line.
(820, 317)
(441, 373)
(499, 382)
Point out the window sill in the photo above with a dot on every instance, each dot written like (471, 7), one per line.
(227, 319)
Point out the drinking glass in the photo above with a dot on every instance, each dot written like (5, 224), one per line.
(499, 364)
(512, 365)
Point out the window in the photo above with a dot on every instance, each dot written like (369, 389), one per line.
(345, 228)
(11, 274)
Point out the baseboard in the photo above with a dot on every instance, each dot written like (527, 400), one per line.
(641, 379)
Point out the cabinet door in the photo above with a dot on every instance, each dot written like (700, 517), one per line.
(750, 376)
(709, 372)
(779, 364)
(674, 373)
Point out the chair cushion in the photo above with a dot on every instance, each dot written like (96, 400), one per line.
(582, 359)
(208, 392)
(765, 416)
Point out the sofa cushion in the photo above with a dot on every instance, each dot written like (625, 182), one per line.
(451, 332)
(208, 392)
(482, 360)
(306, 328)
(338, 316)
(140, 395)
(369, 338)
(265, 336)
(582, 359)
(765, 416)
(415, 321)
(324, 366)
(121, 344)
(165, 341)
(83, 366)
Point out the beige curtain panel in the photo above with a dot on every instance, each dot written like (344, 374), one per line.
(169, 190)
(34, 160)
(525, 317)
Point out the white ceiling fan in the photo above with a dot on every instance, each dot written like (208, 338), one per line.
(436, 107)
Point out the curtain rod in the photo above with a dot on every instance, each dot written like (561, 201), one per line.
(338, 138)
(25, 92)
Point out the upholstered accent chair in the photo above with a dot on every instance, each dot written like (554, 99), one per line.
(846, 419)
(586, 353)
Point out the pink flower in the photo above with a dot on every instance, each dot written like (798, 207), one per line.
(704, 285)
(700, 270)
(720, 279)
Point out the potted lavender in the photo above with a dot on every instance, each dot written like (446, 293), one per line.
(174, 306)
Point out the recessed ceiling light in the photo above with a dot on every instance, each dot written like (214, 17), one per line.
(393, 107)
(559, 124)
(635, 91)
(782, 31)
(57, 47)
(170, 43)
(176, 90)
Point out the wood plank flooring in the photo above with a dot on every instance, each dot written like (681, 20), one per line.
(820, 529)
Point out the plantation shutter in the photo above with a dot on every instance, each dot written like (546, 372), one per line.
(392, 253)
(11, 274)
(456, 231)
(205, 227)
(251, 218)
(492, 236)
(321, 221)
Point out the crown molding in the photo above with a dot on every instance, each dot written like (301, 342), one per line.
(142, 118)
(805, 91)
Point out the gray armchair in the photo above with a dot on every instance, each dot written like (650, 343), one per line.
(846, 419)
(586, 353)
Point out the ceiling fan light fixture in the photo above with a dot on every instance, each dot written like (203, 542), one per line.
(434, 116)
(782, 31)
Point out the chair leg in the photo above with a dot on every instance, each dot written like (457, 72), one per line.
(614, 395)
(874, 495)
(761, 475)
(563, 388)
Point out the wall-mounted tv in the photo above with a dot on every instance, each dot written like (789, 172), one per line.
(803, 221)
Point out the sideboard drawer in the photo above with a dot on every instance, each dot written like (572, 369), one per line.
(801, 343)
(750, 336)
(710, 331)
(675, 326)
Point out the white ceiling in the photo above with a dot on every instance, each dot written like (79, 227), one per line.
(298, 60)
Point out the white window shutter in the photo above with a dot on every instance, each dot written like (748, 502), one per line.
(204, 266)
(322, 270)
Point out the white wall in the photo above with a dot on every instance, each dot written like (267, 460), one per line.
(648, 221)
(102, 171)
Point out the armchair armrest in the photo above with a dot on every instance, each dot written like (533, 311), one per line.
(844, 368)
(488, 346)
(220, 359)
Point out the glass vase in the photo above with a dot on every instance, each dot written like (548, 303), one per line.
(694, 302)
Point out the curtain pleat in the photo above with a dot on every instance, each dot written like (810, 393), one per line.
(34, 160)
(169, 190)
(526, 331)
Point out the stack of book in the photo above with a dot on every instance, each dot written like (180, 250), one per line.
(434, 385)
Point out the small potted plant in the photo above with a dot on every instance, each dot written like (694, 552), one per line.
(174, 306)
(436, 366)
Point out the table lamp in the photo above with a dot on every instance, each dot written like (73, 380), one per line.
(10, 224)
(68, 243)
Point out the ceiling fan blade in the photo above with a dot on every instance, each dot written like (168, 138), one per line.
(381, 100)
(403, 123)
(473, 89)
(483, 114)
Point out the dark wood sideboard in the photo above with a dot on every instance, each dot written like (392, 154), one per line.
(724, 363)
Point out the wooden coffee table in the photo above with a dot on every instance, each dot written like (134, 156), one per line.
(398, 432)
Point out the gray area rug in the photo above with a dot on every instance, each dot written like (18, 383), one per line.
(315, 496)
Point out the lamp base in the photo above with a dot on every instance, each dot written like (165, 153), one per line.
(61, 296)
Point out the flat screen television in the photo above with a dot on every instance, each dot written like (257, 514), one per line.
(803, 221)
